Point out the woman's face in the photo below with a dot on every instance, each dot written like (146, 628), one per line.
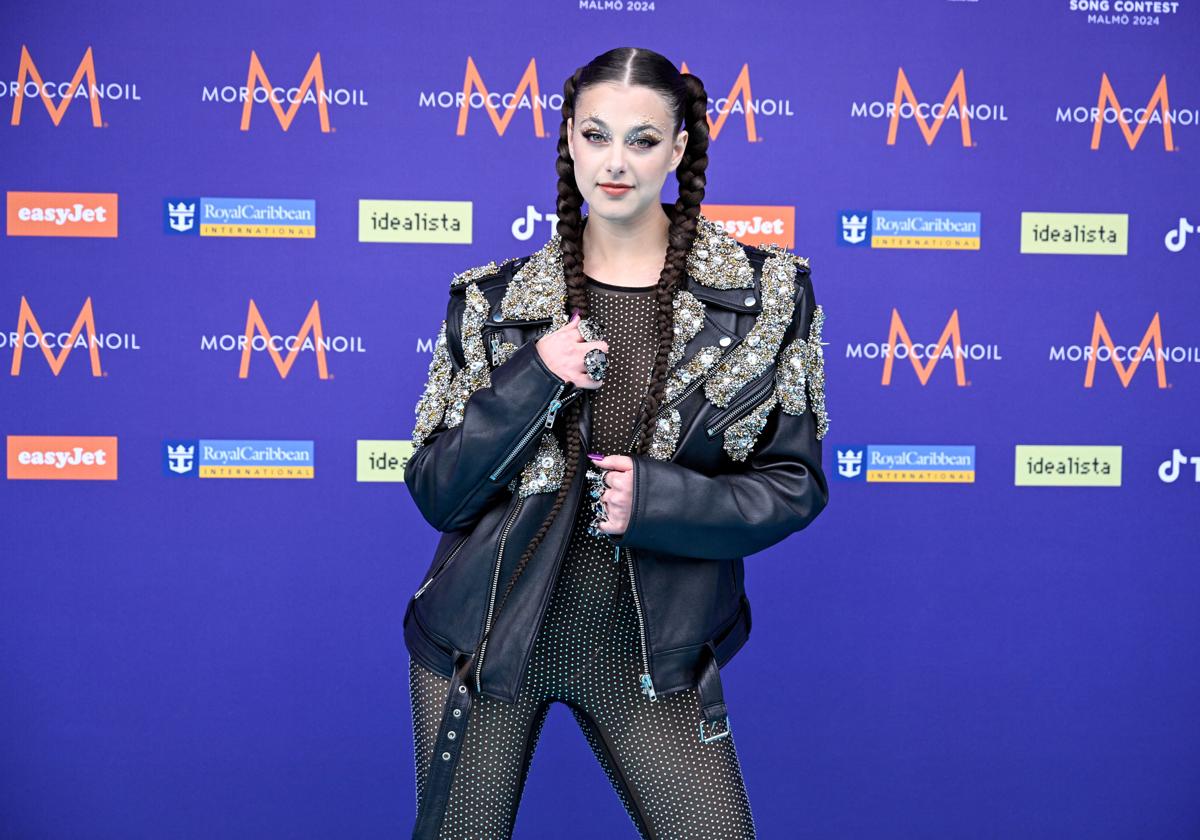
(621, 138)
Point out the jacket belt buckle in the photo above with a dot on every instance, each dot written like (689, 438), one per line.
(708, 739)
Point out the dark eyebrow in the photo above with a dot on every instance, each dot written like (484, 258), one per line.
(603, 124)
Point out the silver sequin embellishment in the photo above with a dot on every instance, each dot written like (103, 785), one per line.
(431, 408)
(538, 288)
(740, 436)
(689, 318)
(478, 272)
(543, 473)
(801, 366)
(503, 351)
(476, 374)
(717, 259)
(666, 435)
(758, 350)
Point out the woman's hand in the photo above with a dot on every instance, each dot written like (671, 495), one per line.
(563, 350)
(618, 496)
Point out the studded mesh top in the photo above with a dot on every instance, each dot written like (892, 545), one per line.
(582, 609)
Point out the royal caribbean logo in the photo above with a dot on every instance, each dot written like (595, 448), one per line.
(929, 115)
(1067, 466)
(238, 458)
(312, 91)
(30, 84)
(924, 356)
(898, 463)
(1132, 121)
(920, 229)
(1125, 358)
(271, 218)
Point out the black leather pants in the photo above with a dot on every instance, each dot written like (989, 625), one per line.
(586, 656)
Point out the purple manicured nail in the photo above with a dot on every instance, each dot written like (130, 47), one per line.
(595, 456)
(574, 312)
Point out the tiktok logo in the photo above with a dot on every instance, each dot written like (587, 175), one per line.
(524, 226)
(1168, 471)
(1176, 238)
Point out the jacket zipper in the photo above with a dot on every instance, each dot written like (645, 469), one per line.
(441, 566)
(742, 408)
(487, 625)
(548, 415)
(647, 682)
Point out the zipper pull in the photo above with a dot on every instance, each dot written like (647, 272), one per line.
(552, 413)
(617, 554)
(495, 347)
(648, 687)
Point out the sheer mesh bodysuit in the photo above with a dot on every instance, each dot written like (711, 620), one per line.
(587, 655)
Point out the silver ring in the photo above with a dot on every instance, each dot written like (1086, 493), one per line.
(590, 329)
(596, 362)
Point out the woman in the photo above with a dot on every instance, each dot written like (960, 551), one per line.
(691, 478)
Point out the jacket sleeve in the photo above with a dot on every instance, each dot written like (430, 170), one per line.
(680, 511)
(470, 421)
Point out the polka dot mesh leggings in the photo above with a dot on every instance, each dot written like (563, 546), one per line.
(587, 656)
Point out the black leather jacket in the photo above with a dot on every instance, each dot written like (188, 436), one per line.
(735, 466)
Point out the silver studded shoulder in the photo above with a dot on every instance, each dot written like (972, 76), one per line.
(431, 407)
(475, 374)
(800, 375)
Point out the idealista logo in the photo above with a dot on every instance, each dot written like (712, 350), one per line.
(899, 463)
(949, 345)
(271, 218)
(527, 96)
(1170, 470)
(382, 460)
(1176, 237)
(1109, 111)
(905, 105)
(62, 214)
(1125, 358)
(62, 457)
(238, 458)
(438, 222)
(311, 91)
(1067, 466)
(257, 338)
(755, 224)
(31, 84)
(83, 334)
(1105, 234)
(921, 229)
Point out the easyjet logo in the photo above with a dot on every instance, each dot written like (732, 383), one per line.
(30, 84)
(62, 457)
(312, 90)
(56, 347)
(924, 356)
(1132, 121)
(502, 106)
(62, 214)
(929, 117)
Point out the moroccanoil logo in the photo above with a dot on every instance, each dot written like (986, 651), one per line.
(1105, 234)
(257, 338)
(1067, 466)
(1132, 121)
(925, 356)
(31, 84)
(1125, 358)
(62, 457)
(755, 224)
(259, 90)
(906, 105)
(62, 214)
(57, 346)
(527, 96)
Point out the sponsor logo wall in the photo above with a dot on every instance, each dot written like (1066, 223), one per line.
(1017, 359)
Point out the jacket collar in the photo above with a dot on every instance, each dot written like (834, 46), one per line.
(719, 272)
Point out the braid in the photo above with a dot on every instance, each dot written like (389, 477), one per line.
(680, 236)
(570, 230)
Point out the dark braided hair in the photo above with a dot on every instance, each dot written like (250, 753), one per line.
(688, 103)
